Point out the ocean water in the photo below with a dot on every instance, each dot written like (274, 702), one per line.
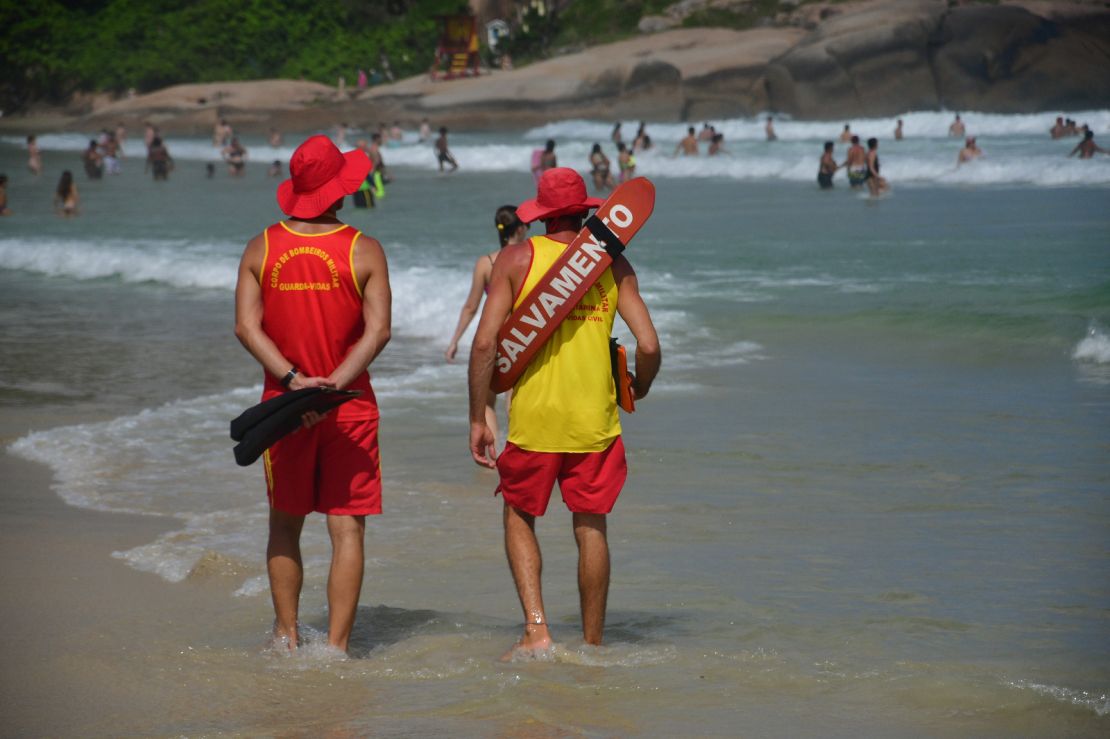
(868, 493)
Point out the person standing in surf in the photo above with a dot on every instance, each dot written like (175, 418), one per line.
(856, 163)
(443, 154)
(876, 184)
(312, 305)
(563, 423)
(827, 167)
(510, 230)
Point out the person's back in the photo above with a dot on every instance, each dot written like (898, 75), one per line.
(827, 167)
(856, 163)
(312, 306)
(311, 302)
(688, 146)
(91, 160)
(561, 403)
(563, 425)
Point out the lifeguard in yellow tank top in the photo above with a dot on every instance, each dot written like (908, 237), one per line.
(565, 400)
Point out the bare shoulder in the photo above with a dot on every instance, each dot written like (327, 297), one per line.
(256, 246)
(513, 258)
(622, 268)
(368, 245)
(368, 255)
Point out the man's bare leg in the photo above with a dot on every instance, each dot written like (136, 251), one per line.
(526, 564)
(345, 577)
(283, 563)
(593, 573)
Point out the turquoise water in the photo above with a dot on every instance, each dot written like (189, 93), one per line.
(868, 493)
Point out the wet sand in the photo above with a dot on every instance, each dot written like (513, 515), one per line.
(80, 626)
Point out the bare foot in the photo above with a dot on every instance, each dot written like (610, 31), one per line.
(281, 641)
(534, 645)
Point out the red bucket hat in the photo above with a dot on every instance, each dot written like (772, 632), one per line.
(560, 192)
(321, 174)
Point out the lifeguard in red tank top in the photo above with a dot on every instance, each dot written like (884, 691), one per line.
(312, 308)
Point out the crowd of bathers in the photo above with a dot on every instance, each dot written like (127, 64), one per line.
(105, 154)
(863, 165)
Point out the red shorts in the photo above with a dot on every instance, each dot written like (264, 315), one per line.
(332, 467)
(589, 481)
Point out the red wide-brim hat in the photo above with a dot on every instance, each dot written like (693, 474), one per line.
(321, 175)
(561, 191)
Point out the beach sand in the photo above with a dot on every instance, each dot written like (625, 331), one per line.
(82, 630)
(95, 648)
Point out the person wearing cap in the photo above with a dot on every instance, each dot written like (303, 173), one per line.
(563, 423)
(312, 305)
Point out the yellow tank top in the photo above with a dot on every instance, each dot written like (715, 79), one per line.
(565, 400)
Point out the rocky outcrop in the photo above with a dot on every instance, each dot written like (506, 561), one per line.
(920, 54)
(1009, 60)
(677, 75)
(874, 61)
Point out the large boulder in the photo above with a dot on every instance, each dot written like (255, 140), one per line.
(1009, 60)
(873, 61)
(887, 58)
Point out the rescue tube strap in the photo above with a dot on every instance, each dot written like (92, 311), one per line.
(605, 235)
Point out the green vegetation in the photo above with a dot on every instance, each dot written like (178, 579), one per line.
(52, 48)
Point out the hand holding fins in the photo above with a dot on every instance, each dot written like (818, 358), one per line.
(260, 426)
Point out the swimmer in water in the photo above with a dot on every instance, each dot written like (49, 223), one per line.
(827, 167)
(34, 156)
(1087, 148)
(627, 162)
(599, 168)
(856, 163)
(66, 198)
(688, 146)
(876, 184)
(970, 152)
(957, 129)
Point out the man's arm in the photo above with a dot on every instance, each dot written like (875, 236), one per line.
(248, 319)
(635, 314)
(377, 307)
(483, 351)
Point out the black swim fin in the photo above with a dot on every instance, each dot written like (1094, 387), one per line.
(283, 418)
(254, 415)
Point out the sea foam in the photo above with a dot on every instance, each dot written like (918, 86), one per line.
(1093, 348)
(1018, 150)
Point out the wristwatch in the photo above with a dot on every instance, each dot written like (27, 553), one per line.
(289, 377)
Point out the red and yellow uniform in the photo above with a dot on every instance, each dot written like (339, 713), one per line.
(312, 310)
(563, 422)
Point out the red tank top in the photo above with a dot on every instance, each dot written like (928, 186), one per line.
(312, 308)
